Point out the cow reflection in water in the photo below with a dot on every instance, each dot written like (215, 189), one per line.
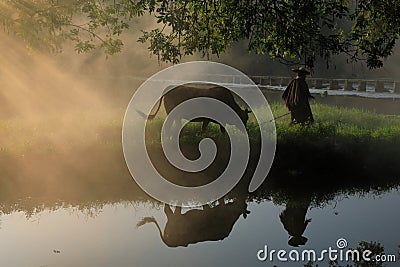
(294, 221)
(209, 224)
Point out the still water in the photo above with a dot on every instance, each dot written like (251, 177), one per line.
(106, 234)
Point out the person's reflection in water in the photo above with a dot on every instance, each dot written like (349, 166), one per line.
(209, 224)
(294, 221)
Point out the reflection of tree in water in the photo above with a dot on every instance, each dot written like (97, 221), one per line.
(282, 190)
(33, 207)
(321, 190)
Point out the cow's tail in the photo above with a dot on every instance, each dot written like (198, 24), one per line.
(150, 116)
(145, 220)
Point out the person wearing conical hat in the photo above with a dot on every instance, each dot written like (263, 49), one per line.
(294, 220)
(296, 98)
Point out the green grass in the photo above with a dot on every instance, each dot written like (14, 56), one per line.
(76, 130)
(350, 125)
(344, 123)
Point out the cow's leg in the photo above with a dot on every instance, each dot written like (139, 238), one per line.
(204, 126)
(221, 127)
(222, 201)
(178, 210)
(168, 210)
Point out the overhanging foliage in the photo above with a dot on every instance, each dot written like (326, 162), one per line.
(292, 31)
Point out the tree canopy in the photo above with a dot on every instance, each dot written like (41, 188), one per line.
(289, 30)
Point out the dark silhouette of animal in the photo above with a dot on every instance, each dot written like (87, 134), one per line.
(209, 224)
(183, 93)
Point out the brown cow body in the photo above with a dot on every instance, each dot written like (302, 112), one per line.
(183, 93)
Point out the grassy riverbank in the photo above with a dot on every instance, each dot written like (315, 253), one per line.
(79, 129)
(342, 124)
(64, 157)
(343, 143)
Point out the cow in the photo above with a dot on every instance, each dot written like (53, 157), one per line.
(183, 93)
(209, 224)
